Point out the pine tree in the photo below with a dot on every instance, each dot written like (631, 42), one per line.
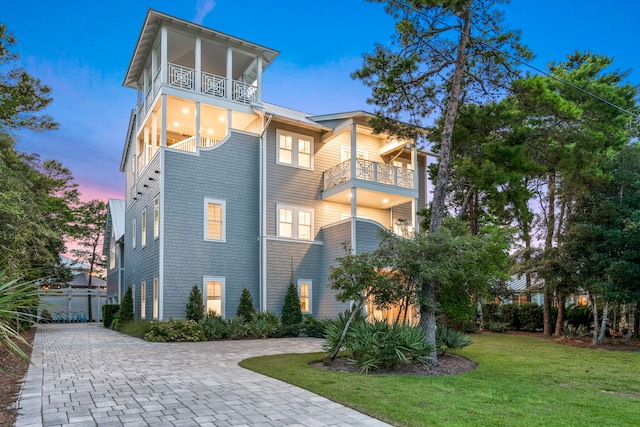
(195, 306)
(291, 311)
(245, 307)
(125, 314)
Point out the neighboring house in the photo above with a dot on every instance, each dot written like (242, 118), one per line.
(113, 249)
(226, 191)
(517, 285)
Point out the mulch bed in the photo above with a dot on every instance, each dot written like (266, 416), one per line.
(10, 384)
(448, 364)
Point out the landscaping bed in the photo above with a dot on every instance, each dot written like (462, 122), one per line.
(10, 384)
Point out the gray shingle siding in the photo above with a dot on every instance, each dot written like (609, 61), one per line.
(228, 172)
(367, 236)
(335, 237)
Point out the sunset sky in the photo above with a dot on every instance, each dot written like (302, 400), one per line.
(82, 51)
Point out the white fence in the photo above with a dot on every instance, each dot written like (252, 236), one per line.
(72, 304)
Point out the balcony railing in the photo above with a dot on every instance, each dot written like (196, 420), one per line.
(369, 171)
(189, 144)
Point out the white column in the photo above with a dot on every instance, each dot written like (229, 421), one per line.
(197, 125)
(145, 86)
(154, 67)
(416, 186)
(163, 54)
(198, 64)
(146, 144)
(354, 191)
(229, 73)
(163, 126)
(154, 130)
(259, 80)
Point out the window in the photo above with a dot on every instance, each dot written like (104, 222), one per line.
(294, 149)
(143, 299)
(112, 250)
(295, 223)
(214, 295)
(156, 218)
(134, 233)
(582, 300)
(345, 154)
(156, 300)
(214, 220)
(304, 291)
(144, 228)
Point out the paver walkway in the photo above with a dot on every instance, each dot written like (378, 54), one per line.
(85, 375)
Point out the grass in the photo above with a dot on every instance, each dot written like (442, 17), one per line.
(520, 380)
(136, 328)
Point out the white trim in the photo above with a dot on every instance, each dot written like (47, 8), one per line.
(223, 292)
(162, 237)
(156, 298)
(156, 218)
(143, 228)
(134, 233)
(310, 283)
(285, 239)
(295, 210)
(143, 300)
(223, 203)
(294, 151)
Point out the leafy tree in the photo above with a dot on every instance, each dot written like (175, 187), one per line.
(245, 307)
(125, 313)
(443, 55)
(88, 230)
(195, 305)
(291, 311)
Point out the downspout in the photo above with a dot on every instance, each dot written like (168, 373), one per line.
(263, 217)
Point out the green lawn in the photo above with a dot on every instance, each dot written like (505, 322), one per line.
(520, 380)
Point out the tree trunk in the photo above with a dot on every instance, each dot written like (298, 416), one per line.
(438, 208)
(631, 315)
(636, 323)
(603, 326)
(546, 310)
(594, 307)
(560, 320)
(548, 244)
(344, 332)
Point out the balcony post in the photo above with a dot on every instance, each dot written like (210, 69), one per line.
(229, 73)
(163, 127)
(154, 69)
(416, 186)
(154, 133)
(198, 63)
(163, 56)
(145, 86)
(354, 215)
(259, 81)
(197, 126)
(352, 156)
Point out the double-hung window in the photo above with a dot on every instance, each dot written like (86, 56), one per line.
(156, 298)
(214, 295)
(304, 292)
(156, 218)
(143, 300)
(215, 220)
(134, 232)
(295, 222)
(144, 228)
(294, 149)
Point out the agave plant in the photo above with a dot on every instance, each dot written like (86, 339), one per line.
(18, 306)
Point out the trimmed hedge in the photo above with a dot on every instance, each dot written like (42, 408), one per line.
(109, 312)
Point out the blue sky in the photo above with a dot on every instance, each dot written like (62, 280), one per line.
(82, 51)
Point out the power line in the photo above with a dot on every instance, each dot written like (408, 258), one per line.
(520, 61)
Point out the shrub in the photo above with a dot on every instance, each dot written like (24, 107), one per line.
(313, 327)
(491, 312)
(289, 330)
(213, 327)
(137, 328)
(195, 307)
(245, 307)
(236, 328)
(109, 312)
(496, 326)
(264, 325)
(291, 311)
(531, 317)
(579, 315)
(333, 329)
(125, 313)
(378, 345)
(448, 339)
(511, 315)
(572, 331)
(179, 330)
(115, 323)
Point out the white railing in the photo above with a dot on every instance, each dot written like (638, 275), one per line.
(206, 141)
(182, 77)
(213, 85)
(189, 144)
(244, 92)
(369, 171)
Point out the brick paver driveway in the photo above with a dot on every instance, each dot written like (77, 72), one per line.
(85, 375)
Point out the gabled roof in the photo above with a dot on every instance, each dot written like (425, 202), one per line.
(519, 284)
(115, 222)
(289, 115)
(152, 24)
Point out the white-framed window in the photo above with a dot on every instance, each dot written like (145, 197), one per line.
(134, 233)
(305, 293)
(295, 222)
(143, 300)
(143, 232)
(156, 218)
(213, 293)
(112, 250)
(156, 298)
(345, 153)
(133, 171)
(215, 219)
(294, 149)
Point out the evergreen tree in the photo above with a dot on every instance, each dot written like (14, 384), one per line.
(245, 307)
(291, 311)
(125, 313)
(195, 305)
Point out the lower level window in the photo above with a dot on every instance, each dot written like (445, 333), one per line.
(214, 295)
(156, 298)
(295, 222)
(143, 299)
(304, 291)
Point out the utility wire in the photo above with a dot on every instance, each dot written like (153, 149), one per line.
(526, 64)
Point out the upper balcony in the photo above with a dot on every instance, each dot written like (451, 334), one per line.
(379, 185)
